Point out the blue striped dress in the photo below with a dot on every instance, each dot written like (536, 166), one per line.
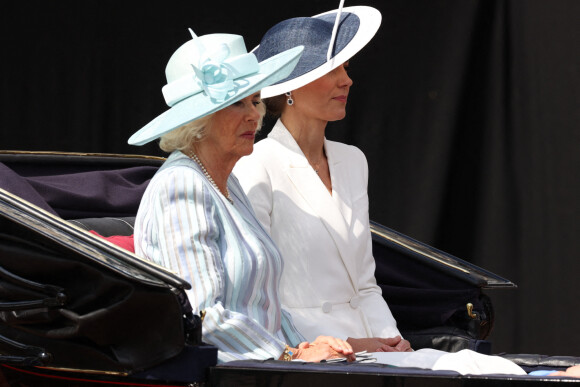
(234, 267)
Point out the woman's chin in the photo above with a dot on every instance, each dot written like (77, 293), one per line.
(338, 117)
(247, 150)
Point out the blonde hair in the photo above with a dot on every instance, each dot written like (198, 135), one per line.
(182, 137)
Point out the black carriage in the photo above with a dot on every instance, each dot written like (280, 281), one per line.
(77, 308)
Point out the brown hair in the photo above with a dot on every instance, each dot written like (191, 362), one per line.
(275, 105)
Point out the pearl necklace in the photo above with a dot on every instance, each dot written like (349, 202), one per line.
(207, 175)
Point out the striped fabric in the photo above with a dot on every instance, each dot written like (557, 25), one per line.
(186, 225)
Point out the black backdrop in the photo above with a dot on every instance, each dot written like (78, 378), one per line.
(468, 112)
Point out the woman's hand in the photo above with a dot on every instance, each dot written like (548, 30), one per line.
(337, 344)
(379, 344)
(323, 348)
(573, 372)
(315, 352)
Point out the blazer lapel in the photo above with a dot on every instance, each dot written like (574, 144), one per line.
(311, 188)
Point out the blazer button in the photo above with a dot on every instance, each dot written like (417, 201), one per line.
(354, 302)
(326, 307)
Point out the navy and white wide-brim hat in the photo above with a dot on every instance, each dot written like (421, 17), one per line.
(356, 26)
(209, 73)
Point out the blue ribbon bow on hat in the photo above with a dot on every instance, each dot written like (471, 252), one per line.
(218, 73)
(213, 75)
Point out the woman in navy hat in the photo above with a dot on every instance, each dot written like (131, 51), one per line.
(194, 217)
(311, 193)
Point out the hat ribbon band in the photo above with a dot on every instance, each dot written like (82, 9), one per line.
(215, 78)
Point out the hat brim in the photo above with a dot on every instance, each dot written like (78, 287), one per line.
(370, 21)
(199, 105)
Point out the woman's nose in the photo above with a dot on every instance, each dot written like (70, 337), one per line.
(254, 113)
(344, 79)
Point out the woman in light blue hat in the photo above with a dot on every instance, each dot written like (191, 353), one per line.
(194, 217)
(311, 193)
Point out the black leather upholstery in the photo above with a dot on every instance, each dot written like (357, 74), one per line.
(107, 226)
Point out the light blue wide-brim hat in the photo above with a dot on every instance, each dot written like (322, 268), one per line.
(329, 39)
(209, 73)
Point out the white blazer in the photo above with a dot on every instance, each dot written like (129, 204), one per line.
(328, 282)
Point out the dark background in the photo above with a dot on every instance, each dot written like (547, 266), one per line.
(468, 112)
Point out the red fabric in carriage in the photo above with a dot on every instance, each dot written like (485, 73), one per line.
(124, 241)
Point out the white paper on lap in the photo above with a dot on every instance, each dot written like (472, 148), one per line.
(422, 358)
(471, 362)
(464, 362)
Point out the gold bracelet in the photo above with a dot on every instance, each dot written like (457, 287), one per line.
(287, 354)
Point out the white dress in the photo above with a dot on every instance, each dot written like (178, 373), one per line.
(328, 282)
